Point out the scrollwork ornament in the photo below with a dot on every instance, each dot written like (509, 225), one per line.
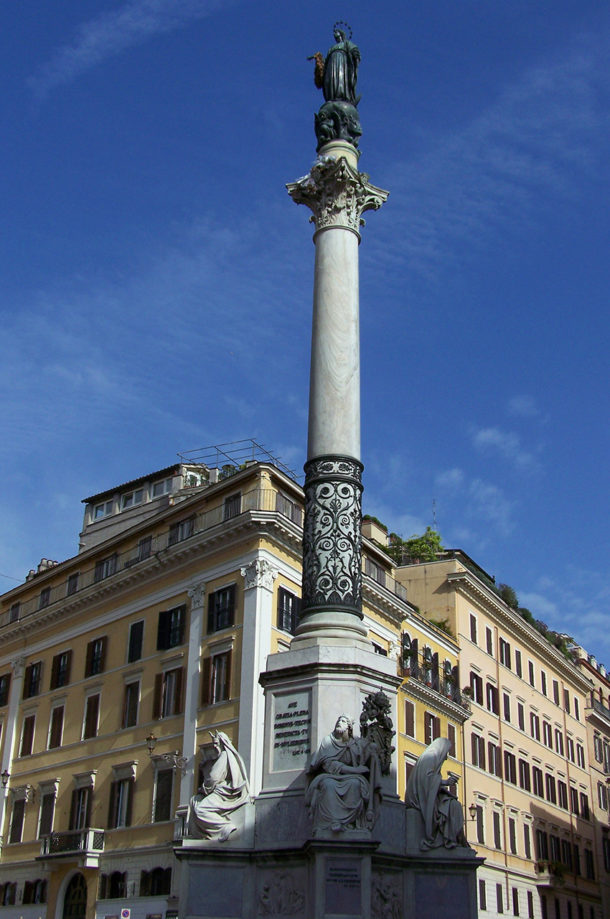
(259, 573)
(337, 194)
(332, 540)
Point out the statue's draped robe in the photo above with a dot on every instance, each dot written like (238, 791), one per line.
(440, 810)
(344, 800)
(225, 788)
(340, 72)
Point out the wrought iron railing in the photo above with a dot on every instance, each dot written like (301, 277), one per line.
(86, 840)
(420, 666)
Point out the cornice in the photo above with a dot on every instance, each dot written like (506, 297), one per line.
(436, 700)
(473, 588)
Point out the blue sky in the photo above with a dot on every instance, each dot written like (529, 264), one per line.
(156, 277)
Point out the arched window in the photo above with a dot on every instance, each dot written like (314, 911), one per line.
(75, 899)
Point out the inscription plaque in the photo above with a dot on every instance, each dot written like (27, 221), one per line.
(343, 887)
(291, 730)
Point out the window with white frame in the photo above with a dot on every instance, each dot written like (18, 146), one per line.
(104, 509)
(132, 498)
(121, 795)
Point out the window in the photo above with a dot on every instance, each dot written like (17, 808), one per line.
(515, 901)
(524, 775)
(232, 506)
(555, 692)
(221, 608)
(92, 711)
(499, 898)
(527, 843)
(17, 818)
(566, 853)
(432, 727)
(409, 718)
(510, 767)
(473, 628)
(576, 859)
(576, 709)
(543, 682)
(102, 510)
(56, 727)
(32, 680)
(494, 760)
(476, 685)
(580, 755)
(512, 835)
(60, 669)
(489, 640)
(105, 567)
(506, 703)
(566, 701)
(537, 782)
(47, 812)
(155, 883)
(35, 891)
(584, 805)
(559, 741)
(570, 749)
(542, 845)
(480, 820)
(288, 608)
(288, 508)
(518, 664)
(162, 488)
(530, 667)
(602, 796)
(96, 657)
(547, 734)
(562, 794)
(162, 804)
(170, 629)
(45, 597)
(132, 498)
(482, 895)
(521, 715)
(535, 726)
(131, 701)
(606, 843)
(181, 530)
(478, 750)
(551, 791)
(134, 648)
(530, 905)
(119, 809)
(13, 615)
(574, 801)
(5, 685)
(80, 808)
(217, 678)
(598, 749)
(589, 866)
(451, 737)
(168, 693)
(144, 548)
(505, 653)
(491, 698)
(27, 735)
(113, 886)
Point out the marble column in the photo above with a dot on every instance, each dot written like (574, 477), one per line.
(338, 195)
(10, 732)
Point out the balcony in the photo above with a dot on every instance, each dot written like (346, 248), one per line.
(85, 845)
(549, 874)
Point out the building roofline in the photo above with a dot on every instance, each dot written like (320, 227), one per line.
(143, 478)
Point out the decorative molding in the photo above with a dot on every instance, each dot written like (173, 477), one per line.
(196, 594)
(337, 194)
(259, 573)
(332, 539)
(281, 896)
(18, 666)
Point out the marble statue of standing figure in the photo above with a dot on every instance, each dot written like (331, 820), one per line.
(345, 790)
(430, 794)
(224, 789)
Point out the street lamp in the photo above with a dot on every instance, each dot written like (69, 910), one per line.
(5, 777)
(472, 810)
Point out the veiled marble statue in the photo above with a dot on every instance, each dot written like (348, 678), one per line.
(430, 794)
(345, 791)
(224, 789)
(337, 75)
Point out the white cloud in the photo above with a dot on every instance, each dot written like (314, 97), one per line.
(114, 32)
(489, 503)
(540, 606)
(450, 478)
(506, 443)
(523, 407)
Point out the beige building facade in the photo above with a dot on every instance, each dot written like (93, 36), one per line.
(528, 770)
(117, 663)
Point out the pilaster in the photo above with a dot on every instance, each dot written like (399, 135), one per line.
(196, 596)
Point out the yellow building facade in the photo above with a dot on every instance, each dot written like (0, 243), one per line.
(116, 664)
(527, 776)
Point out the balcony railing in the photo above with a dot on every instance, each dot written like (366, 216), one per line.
(87, 841)
(258, 499)
(381, 576)
(416, 666)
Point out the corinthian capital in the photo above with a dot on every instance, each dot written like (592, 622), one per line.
(259, 573)
(197, 594)
(18, 665)
(337, 194)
